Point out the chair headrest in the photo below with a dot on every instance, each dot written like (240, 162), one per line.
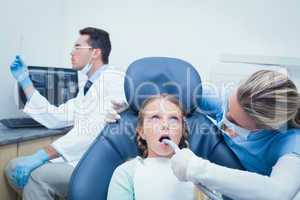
(156, 75)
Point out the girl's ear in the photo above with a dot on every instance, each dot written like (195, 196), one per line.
(139, 130)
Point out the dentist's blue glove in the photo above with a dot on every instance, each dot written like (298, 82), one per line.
(20, 72)
(25, 165)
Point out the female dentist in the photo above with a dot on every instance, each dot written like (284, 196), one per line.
(260, 121)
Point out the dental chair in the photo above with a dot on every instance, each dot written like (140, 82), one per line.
(116, 143)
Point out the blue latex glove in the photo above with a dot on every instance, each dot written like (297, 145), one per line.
(20, 72)
(25, 165)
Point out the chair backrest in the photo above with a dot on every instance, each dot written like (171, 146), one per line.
(155, 75)
(116, 143)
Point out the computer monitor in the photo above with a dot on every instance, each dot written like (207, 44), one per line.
(57, 85)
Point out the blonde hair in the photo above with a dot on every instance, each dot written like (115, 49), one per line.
(141, 143)
(271, 99)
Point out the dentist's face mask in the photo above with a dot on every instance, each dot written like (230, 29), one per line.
(236, 119)
(243, 132)
(88, 66)
(240, 131)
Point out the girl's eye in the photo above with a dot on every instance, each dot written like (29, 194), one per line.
(173, 120)
(155, 117)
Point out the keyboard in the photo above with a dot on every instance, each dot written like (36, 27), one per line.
(20, 123)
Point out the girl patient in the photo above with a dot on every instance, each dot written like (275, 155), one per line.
(149, 176)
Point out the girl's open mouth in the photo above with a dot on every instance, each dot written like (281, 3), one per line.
(164, 137)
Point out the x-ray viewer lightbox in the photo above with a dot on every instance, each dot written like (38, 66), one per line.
(58, 85)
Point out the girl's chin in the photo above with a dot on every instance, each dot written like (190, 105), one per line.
(160, 155)
(161, 150)
(164, 151)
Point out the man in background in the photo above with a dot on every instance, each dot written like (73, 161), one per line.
(34, 174)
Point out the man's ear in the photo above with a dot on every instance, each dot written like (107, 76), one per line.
(97, 53)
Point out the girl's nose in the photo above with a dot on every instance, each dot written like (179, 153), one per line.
(164, 125)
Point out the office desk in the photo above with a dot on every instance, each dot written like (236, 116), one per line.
(19, 142)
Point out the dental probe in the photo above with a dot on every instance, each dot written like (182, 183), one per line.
(171, 144)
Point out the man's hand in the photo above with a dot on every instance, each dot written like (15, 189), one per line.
(20, 173)
(112, 115)
(20, 72)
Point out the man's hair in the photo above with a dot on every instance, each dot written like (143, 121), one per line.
(99, 39)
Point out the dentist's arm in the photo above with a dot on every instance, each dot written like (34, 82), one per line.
(51, 152)
(283, 183)
(20, 171)
(38, 106)
(118, 106)
(20, 72)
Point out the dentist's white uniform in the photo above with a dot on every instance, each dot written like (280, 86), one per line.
(86, 113)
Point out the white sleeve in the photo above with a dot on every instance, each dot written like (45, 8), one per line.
(49, 115)
(283, 183)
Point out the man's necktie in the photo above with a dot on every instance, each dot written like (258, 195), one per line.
(87, 86)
